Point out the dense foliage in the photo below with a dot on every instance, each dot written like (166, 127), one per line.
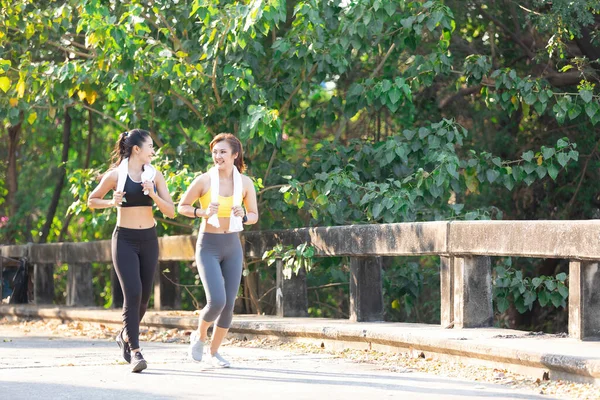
(352, 111)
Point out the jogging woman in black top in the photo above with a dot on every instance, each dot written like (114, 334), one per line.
(134, 242)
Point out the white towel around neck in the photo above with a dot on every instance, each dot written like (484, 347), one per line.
(235, 223)
(148, 174)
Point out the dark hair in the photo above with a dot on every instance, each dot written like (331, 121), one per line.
(236, 147)
(128, 139)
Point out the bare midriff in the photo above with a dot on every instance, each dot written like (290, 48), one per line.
(135, 217)
(208, 228)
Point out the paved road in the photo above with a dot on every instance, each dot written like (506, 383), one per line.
(42, 367)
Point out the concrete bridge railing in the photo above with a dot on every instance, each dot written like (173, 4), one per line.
(465, 249)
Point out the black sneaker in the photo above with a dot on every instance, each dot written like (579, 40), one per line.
(138, 363)
(124, 346)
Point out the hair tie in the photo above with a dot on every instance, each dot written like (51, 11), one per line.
(125, 133)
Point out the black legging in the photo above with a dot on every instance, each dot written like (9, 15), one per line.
(135, 256)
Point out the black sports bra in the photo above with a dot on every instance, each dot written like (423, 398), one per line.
(134, 195)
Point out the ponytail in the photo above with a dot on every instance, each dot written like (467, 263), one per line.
(125, 143)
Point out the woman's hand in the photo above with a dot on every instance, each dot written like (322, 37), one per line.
(238, 211)
(148, 187)
(212, 209)
(117, 198)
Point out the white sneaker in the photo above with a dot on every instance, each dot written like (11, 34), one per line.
(196, 347)
(217, 361)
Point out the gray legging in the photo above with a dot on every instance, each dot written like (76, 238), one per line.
(219, 259)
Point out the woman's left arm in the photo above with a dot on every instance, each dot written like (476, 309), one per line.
(250, 201)
(161, 197)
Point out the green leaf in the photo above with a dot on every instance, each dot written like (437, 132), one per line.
(543, 298)
(561, 277)
(376, 210)
(574, 155)
(492, 175)
(541, 171)
(509, 182)
(529, 168)
(195, 7)
(529, 298)
(553, 171)
(566, 68)
(591, 109)
(394, 95)
(527, 156)
(547, 152)
(586, 95)
(4, 83)
(562, 289)
(355, 90)
(574, 112)
(540, 107)
(389, 156)
(536, 282)
(408, 134)
(550, 285)
(520, 305)
(562, 158)
(530, 99)
(390, 7)
(529, 179)
(386, 85)
(451, 168)
(502, 304)
(556, 299)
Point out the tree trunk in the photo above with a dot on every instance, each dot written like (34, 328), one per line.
(88, 154)
(13, 147)
(86, 165)
(62, 171)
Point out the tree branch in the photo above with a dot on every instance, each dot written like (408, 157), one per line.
(214, 68)
(462, 92)
(174, 38)
(78, 53)
(376, 70)
(188, 103)
(271, 187)
(508, 31)
(104, 115)
(287, 103)
(327, 285)
(585, 166)
(214, 80)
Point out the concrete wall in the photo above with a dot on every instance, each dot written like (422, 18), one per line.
(464, 246)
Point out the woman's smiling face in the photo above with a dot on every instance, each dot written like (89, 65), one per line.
(223, 156)
(146, 151)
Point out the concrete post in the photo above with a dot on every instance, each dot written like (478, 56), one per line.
(473, 292)
(584, 300)
(43, 286)
(292, 296)
(1, 277)
(366, 289)
(447, 291)
(80, 288)
(116, 291)
(167, 295)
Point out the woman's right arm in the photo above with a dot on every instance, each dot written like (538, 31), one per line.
(194, 192)
(108, 182)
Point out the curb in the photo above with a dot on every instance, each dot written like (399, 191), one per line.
(540, 356)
